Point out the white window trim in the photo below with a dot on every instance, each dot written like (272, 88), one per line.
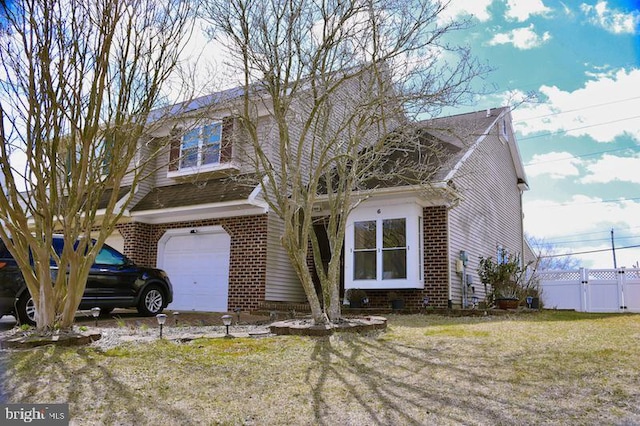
(214, 167)
(199, 166)
(412, 213)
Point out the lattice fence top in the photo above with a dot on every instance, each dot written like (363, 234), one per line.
(559, 275)
(632, 274)
(602, 274)
(590, 275)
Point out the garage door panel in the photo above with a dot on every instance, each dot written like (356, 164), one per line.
(198, 266)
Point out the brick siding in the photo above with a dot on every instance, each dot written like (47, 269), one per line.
(435, 264)
(248, 260)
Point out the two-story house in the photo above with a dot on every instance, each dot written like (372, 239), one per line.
(220, 243)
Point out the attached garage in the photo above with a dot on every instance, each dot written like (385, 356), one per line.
(197, 261)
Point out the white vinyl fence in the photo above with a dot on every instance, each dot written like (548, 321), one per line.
(592, 290)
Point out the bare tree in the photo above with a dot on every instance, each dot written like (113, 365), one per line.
(548, 256)
(336, 78)
(79, 79)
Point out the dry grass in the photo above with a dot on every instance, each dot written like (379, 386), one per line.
(550, 368)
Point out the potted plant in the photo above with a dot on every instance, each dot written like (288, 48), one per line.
(356, 297)
(508, 280)
(396, 300)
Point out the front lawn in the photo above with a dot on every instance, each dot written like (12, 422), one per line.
(547, 368)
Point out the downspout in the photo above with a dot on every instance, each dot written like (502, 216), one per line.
(522, 186)
(449, 279)
(522, 259)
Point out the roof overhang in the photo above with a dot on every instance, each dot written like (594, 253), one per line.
(433, 194)
(250, 206)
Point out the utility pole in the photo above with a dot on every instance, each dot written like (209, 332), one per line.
(613, 250)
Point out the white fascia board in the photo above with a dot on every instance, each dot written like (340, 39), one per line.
(199, 212)
(443, 195)
(256, 198)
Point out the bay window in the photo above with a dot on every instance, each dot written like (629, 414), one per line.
(384, 247)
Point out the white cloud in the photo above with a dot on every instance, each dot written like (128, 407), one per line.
(520, 10)
(611, 168)
(566, 9)
(557, 165)
(521, 38)
(612, 20)
(585, 219)
(603, 109)
(577, 215)
(479, 9)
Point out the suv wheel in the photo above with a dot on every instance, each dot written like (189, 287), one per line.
(151, 301)
(26, 309)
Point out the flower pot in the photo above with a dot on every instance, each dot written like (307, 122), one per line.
(507, 303)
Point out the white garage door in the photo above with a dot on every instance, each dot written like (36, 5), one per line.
(198, 266)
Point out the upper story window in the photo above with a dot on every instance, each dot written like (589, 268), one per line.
(202, 149)
(201, 146)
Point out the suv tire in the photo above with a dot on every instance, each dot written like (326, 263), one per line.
(26, 309)
(151, 301)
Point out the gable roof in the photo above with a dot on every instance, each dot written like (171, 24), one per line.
(440, 145)
(468, 130)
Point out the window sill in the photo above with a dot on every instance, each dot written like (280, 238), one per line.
(390, 284)
(214, 168)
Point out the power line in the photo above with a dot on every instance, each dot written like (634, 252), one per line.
(614, 200)
(560, 132)
(580, 156)
(586, 233)
(592, 240)
(577, 109)
(589, 251)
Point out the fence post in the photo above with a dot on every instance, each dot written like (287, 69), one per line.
(584, 280)
(621, 278)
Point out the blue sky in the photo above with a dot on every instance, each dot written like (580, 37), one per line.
(579, 136)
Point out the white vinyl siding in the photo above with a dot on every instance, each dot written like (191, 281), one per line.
(489, 214)
(282, 283)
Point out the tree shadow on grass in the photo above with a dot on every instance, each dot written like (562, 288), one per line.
(92, 390)
(383, 382)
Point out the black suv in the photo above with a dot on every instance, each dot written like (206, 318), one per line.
(114, 282)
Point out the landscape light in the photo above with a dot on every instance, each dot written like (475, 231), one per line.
(161, 320)
(226, 320)
(96, 313)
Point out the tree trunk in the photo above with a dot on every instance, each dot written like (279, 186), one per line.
(45, 311)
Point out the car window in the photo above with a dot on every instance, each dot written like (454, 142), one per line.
(4, 252)
(58, 244)
(109, 256)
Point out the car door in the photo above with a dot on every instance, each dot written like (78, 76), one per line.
(112, 280)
